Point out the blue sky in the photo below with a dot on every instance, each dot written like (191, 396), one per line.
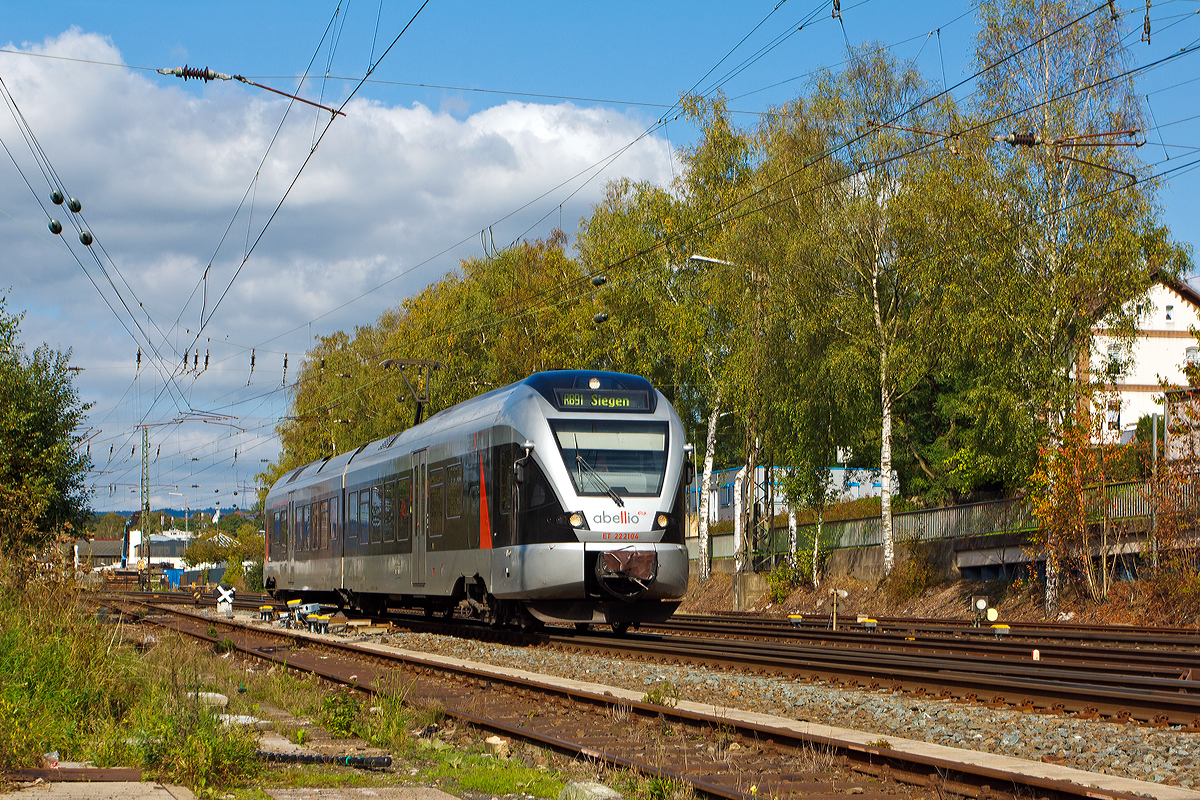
(399, 190)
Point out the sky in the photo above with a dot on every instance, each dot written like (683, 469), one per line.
(483, 123)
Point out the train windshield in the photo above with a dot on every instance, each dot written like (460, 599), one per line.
(628, 457)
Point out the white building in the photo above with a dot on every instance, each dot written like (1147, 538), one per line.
(1163, 346)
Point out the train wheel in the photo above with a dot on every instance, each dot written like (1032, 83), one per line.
(620, 628)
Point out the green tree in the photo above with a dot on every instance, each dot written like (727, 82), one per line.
(493, 321)
(1085, 239)
(877, 240)
(42, 468)
(669, 290)
(108, 526)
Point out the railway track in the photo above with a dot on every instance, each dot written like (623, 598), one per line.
(1155, 686)
(721, 752)
(1134, 635)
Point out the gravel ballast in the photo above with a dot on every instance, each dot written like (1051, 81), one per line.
(1150, 754)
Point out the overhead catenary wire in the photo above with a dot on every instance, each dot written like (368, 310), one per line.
(1168, 123)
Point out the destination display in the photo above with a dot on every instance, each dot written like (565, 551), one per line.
(584, 400)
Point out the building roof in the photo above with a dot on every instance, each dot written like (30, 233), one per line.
(98, 547)
(1178, 287)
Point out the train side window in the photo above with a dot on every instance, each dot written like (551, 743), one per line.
(323, 528)
(333, 519)
(437, 504)
(389, 511)
(364, 517)
(352, 515)
(404, 509)
(376, 513)
(303, 525)
(283, 531)
(454, 491)
(314, 527)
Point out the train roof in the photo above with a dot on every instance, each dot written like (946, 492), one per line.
(484, 405)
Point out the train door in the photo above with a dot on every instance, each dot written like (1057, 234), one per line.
(291, 540)
(420, 516)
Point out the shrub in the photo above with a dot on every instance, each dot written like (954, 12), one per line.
(912, 576)
(785, 579)
(339, 713)
(253, 577)
(60, 678)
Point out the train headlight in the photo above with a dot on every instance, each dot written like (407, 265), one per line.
(662, 520)
(576, 519)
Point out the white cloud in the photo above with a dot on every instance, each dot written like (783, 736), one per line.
(161, 166)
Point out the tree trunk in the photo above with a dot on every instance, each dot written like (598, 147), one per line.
(710, 446)
(793, 544)
(739, 557)
(885, 473)
(816, 573)
(1051, 580)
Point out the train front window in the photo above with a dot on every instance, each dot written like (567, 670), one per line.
(630, 457)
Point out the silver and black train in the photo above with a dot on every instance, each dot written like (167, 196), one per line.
(556, 499)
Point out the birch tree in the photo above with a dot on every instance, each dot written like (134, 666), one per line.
(1086, 231)
(879, 266)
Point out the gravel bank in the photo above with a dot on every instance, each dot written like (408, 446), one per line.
(1159, 755)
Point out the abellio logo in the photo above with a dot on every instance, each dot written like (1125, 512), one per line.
(620, 518)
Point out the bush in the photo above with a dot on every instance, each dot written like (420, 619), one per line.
(912, 576)
(70, 683)
(60, 679)
(253, 577)
(785, 579)
(339, 713)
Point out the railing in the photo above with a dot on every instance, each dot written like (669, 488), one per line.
(1126, 501)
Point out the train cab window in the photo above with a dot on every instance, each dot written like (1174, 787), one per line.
(404, 509)
(454, 491)
(389, 511)
(437, 503)
(352, 515)
(376, 514)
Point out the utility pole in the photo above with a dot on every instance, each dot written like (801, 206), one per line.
(145, 558)
(1154, 490)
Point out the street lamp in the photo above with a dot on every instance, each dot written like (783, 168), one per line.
(187, 510)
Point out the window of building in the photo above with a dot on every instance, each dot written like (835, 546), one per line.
(1113, 415)
(1170, 313)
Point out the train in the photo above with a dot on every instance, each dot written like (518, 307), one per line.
(556, 499)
